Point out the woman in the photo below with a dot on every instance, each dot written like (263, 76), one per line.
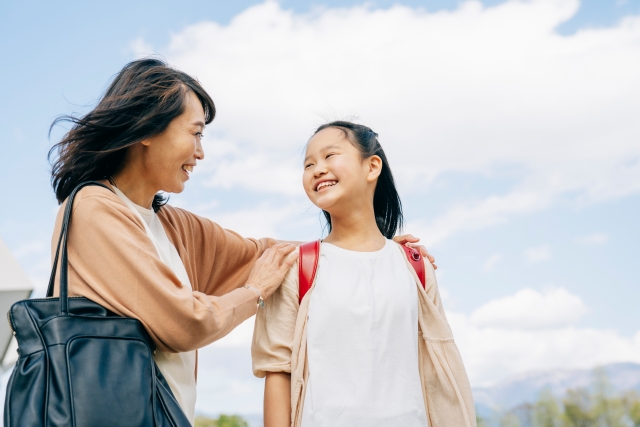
(188, 280)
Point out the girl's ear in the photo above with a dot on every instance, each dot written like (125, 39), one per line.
(375, 168)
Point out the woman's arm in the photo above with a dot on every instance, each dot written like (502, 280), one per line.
(114, 263)
(277, 399)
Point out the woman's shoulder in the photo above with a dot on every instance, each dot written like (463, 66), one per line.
(97, 204)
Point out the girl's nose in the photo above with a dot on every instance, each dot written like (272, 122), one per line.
(319, 171)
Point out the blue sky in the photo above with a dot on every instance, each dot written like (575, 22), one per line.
(517, 158)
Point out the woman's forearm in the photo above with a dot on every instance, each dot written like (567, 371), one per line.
(277, 400)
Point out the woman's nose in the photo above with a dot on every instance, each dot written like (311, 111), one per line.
(199, 150)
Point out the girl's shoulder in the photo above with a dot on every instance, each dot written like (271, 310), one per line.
(291, 283)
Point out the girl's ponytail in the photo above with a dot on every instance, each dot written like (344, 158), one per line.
(386, 201)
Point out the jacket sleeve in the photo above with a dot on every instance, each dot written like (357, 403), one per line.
(447, 390)
(219, 259)
(113, 262)
(273, 334)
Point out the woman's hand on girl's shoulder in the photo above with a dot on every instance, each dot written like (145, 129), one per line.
(270, 269)
(410, 241)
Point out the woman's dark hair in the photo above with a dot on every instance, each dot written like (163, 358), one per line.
(386, 201)
(139, 103)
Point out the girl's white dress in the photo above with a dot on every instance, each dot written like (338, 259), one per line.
(362, 342)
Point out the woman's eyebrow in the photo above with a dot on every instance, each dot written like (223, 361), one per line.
(198, 123)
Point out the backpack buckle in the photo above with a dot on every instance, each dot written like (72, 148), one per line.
(415, 254)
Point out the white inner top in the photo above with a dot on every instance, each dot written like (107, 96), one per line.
(362, 342)
(177, 368)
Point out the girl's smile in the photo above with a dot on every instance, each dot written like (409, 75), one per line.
(325, 184)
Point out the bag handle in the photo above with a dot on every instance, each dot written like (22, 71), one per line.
(62, 241)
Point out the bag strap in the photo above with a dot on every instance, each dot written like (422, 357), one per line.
(308, 265)
(415, 259)
(62, 241)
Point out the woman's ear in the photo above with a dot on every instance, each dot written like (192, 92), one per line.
(375, 168)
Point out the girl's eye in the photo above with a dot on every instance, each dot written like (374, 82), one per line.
(308, 165)
(329, 155)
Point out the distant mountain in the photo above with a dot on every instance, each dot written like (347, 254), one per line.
(527, 387)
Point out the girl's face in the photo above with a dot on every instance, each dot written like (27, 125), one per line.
(170, 156)
(336, 178)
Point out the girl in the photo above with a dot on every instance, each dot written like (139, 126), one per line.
(367, 345)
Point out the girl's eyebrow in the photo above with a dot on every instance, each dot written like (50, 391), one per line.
(327, 148)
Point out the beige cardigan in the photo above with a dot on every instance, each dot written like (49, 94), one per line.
(113, 262)
(280, 345)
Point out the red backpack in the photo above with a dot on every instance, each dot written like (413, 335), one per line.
(308, 265)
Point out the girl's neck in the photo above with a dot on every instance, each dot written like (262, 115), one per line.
(356, 231)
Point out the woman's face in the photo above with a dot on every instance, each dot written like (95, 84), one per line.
(336, 178)
(169, 157)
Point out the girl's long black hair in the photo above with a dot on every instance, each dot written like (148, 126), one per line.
(140, 102)
(386, 201)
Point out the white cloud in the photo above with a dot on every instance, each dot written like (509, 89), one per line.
(530, 309)
(140, 48)
(475, 215)
(593, 239)
(490, 264)
(538, 254)
(448, 92)
(493, 354)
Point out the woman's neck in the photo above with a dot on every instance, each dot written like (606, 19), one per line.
(134, 188)
(356, 231)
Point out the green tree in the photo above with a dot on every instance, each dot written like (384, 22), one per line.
(546, 411)
(221, 421)
(608, 410)
(509, 420)
(578, 409)
(631, 402)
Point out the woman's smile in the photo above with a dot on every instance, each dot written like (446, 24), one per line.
(187, 169)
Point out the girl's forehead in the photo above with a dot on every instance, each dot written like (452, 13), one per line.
(326, 138)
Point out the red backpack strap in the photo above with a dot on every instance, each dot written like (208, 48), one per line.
(307, 266)
(415, 259)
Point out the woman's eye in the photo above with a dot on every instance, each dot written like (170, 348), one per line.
(199, 135)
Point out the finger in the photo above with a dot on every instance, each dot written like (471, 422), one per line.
(423, 250)
(281, 252)
(407, 238)
(289, 260)
(435, 267)
(267, 255)
(284, 253)
(293, 256)
(430, 257)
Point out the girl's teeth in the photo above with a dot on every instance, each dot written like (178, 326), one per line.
(325, 184)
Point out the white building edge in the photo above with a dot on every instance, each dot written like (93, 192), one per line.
(14, 286)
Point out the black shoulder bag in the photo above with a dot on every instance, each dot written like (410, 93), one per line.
(81, 365)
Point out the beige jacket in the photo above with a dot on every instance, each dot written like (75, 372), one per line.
(280, 345)
(113, 262)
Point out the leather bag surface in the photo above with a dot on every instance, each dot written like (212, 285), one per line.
(81, 365)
